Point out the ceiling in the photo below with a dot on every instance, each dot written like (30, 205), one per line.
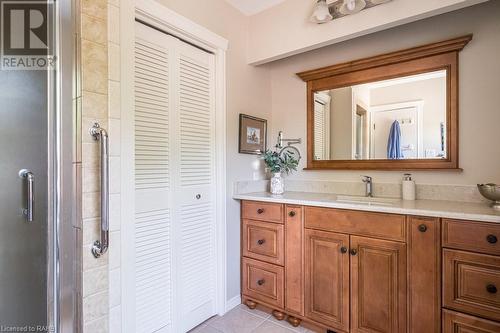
(251, 7)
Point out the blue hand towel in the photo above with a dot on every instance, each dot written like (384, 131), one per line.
(394, 151)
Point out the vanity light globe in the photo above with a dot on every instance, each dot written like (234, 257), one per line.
(321, 13)
(350, 7)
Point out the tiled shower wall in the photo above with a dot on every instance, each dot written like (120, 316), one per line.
(92, 94)
(98, 100)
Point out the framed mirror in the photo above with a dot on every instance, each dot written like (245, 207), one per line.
(397, 111)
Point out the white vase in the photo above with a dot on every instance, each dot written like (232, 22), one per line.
(277, 183)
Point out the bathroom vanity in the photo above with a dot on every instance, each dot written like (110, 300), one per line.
(372, 266)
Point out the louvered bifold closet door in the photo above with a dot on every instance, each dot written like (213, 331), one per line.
(153, 208)
(319, 131)
(195, 186)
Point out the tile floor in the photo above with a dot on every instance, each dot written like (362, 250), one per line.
(243, 320)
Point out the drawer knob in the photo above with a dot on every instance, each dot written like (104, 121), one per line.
(343, 249)
(292, 213)
(491, 288)
(261, 282)
(492, 239)
(422, 228)
(261, 241)
(354, 252)
(260, 210)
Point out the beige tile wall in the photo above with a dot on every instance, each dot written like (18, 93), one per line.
(93, 96)
(114, 116)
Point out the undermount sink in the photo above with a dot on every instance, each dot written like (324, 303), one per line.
(367, 200)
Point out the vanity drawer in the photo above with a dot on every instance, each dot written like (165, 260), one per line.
(378, 225)
(264, 241)
(263, 282)
(454, 322)
(472, 236)
(269, 212)
(471, 282)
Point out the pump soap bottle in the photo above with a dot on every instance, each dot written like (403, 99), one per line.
(409, 191)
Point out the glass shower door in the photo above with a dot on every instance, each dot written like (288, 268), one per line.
(23, 199)
(25, 84)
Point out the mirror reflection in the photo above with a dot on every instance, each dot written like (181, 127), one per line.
(402, 118)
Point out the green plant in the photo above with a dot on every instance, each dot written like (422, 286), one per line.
(277, 162)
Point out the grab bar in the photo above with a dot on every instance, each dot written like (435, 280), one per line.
(30, 202)
(101, 246)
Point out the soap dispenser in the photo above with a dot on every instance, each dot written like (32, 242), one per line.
(409, 190)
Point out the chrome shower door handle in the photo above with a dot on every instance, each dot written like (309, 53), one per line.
(101, 246)
(30, 202)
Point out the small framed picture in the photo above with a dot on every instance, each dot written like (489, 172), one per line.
(253, 134)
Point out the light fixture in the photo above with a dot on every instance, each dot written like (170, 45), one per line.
(328, 10)
(352, 6)
(321, 13)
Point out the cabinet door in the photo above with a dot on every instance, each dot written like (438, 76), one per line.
(424, 275)
(327, 279)
(294, 262)
(378, 285)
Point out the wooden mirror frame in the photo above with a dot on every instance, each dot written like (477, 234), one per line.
(427, 58)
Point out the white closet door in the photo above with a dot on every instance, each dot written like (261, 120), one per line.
(194, 186)
(153, 185)
(175, 183)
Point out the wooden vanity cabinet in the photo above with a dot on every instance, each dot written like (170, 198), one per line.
(354, 271)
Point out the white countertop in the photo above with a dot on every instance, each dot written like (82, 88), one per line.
(436, 208)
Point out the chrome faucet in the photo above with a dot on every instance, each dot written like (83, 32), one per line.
(369, 185)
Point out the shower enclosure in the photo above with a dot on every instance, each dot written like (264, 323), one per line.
(37, 202)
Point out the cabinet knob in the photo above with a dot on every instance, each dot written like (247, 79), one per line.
(491, 288)
(422, 228)
(261, 241)
(261, 282)
(343, 249)
(260, 210)
(198, 196)
(492, 239)
(354, 252)
(292, 213)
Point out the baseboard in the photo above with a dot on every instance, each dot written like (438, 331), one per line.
(232, 303)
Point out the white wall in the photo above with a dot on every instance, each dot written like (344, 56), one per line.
(285, 30)
(249, 92)
(479, 90)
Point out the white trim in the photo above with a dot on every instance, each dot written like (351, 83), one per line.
(407, 79)
(233, 302)
(221, 135)
(172, 23)
(127, 29)
(161, 17)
